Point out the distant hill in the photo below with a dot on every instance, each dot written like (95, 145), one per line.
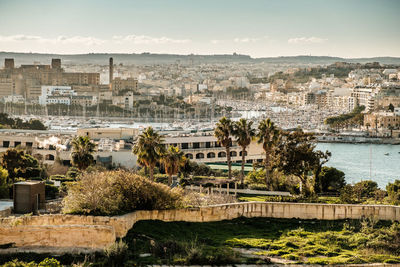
(148, 58)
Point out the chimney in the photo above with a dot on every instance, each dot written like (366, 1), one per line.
(56, 63)
(111, 65)
(9, 63)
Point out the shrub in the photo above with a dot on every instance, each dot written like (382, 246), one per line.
(51, 191)
(332, 179)
(365, 189)
(117, 253)
(118, 192)
(258, 187)
(49, 263)
(393, 190)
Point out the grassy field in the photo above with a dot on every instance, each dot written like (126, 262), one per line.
(262, 240)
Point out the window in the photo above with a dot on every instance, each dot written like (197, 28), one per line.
(185, 146)
(17, 144)
(6, 143)
(208, 144)
(196, 145)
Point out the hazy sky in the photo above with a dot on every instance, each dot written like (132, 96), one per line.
(347, 28)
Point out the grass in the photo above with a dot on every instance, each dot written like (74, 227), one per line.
(305, 241)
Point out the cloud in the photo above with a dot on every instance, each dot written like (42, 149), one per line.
(143, 39)
(216, 41)
(57, 40)
(306, 40)
(88, 40)
(245, 40)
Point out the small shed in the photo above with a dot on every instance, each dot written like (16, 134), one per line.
(29, 196)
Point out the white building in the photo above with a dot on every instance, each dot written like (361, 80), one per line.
(14, 99)
(56, 95)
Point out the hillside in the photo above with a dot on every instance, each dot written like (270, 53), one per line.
(148, 58)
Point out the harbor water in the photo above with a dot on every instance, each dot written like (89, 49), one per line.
(377, 162)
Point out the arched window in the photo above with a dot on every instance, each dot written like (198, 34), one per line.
(189, 156)
(200, 156)
(233, 153)
(49, 157)
(211, 155)
(221, 154)
(241, 152)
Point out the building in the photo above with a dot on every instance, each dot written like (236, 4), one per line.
(129, 84)
(383, 120)
(364, 96)
(26, 80)
(56, 95)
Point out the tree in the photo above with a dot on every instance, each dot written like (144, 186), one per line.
(244, 134)
(331, 180)
(173, 159)
(148, 149)
(222, 132)
(391, 128)
(391, 107)
(393, 190)
(320, 159)
(297, 156)
(268, 135)
(82, 152)
(20, 164)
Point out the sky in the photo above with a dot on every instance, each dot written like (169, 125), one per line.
(259, 28)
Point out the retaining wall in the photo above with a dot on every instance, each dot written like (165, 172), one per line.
(99, 231)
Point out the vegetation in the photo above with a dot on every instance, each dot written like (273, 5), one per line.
(244, 134)
(118, 192)
(10, 123)
(268, 135)
(223, 131)
(20, 164)
(149, 149)
(265, 240)
(355, 118)
(393, 190)
(82, 152)
(173, 159)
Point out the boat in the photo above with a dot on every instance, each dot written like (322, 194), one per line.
(386, 154)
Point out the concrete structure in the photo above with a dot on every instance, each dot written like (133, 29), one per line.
(111, 72)
(29, 196)
(99, 232)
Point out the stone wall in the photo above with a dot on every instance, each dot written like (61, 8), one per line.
(100, 231)
(5, 212)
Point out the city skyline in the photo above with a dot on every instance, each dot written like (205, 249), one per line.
(257, 28)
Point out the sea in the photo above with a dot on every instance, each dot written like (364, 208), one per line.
(377, 162)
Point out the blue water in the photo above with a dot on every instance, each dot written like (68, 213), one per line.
(365, 161)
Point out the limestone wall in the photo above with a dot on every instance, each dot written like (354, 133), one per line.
(99, 231)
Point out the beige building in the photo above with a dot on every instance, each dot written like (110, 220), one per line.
(382, 120)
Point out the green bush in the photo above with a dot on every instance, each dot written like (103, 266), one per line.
(118, 192)
(51, 191)
(117, 253)
(393, 190)
(258, 187)
(48, 262)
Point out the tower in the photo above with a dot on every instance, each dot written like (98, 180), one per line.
(9, 63)
(111, 70)
(56, 63)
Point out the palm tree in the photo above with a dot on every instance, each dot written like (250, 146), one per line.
(173, 159)
(223, 132)
(82, 152)
(148, 149)
(268, 136)
(244, 133)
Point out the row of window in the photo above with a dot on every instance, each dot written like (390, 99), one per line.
(197, 145)
(211, 155)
